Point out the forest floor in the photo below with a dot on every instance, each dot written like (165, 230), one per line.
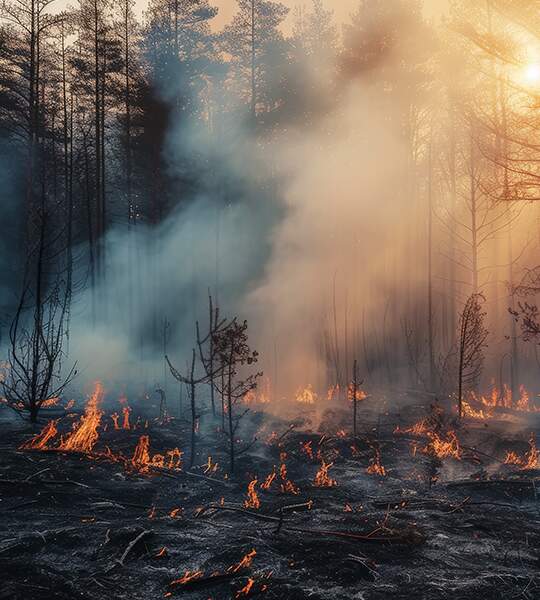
(85, 526)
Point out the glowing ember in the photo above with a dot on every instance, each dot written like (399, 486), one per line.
(252, 499)
(85, 435)
(322, 479)
(42, 439)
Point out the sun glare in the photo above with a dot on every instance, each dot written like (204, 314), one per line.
(532, 74)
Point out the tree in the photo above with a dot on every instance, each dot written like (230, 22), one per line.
(234, 353)
(471, 343)
(36, 336)
(256, 45)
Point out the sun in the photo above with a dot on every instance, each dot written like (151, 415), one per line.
(532, 74)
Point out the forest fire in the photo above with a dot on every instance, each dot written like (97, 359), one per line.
(269, 299)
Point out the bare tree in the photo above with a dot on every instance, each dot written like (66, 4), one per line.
(34, 372)
(472, 341)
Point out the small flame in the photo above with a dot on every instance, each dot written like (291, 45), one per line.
(375, 466)
(531, 460)
(443, 448)
(244, 563)
(252, 499)
(246, 589)
(322, 478)
(306, 395)
(42, 439)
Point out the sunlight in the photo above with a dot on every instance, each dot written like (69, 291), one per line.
(531, 74)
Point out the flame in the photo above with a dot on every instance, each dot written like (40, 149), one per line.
(287, 486)
(443, 448)
(375, 466)
(360, 394)
(420, 428)
(50, 402)
(84, 436)
(42, 439)
(252, 499)
(175, 512)
(142, 461)
(244, 563)
(210, 466)
(187, 577)
(260, 395)
(322, 478)
(246, 589)
(306, 395)
(498, 398)
(531, 460)
(333, 392)
(125, 421)
(306, 448)
(115, 417)
(269, 480)
(162, 553)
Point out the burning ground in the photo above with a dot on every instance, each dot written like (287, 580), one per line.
(101, 504)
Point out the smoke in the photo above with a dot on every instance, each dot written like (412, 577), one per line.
(304, 233)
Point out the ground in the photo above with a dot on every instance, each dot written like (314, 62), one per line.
(90, 526)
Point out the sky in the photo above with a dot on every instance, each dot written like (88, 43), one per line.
(342, 8)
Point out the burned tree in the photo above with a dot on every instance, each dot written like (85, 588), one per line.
(34, 374)
(472, 341)
(234, 353)
(191, 381)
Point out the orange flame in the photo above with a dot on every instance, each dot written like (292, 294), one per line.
(322, 478)
(443, 448)
(187, 577)
(306, 395)
(531, 460)
(252, 499)
(375, 467)
(244, 563)
(42, 439)
(246, 589)
(84, 436)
